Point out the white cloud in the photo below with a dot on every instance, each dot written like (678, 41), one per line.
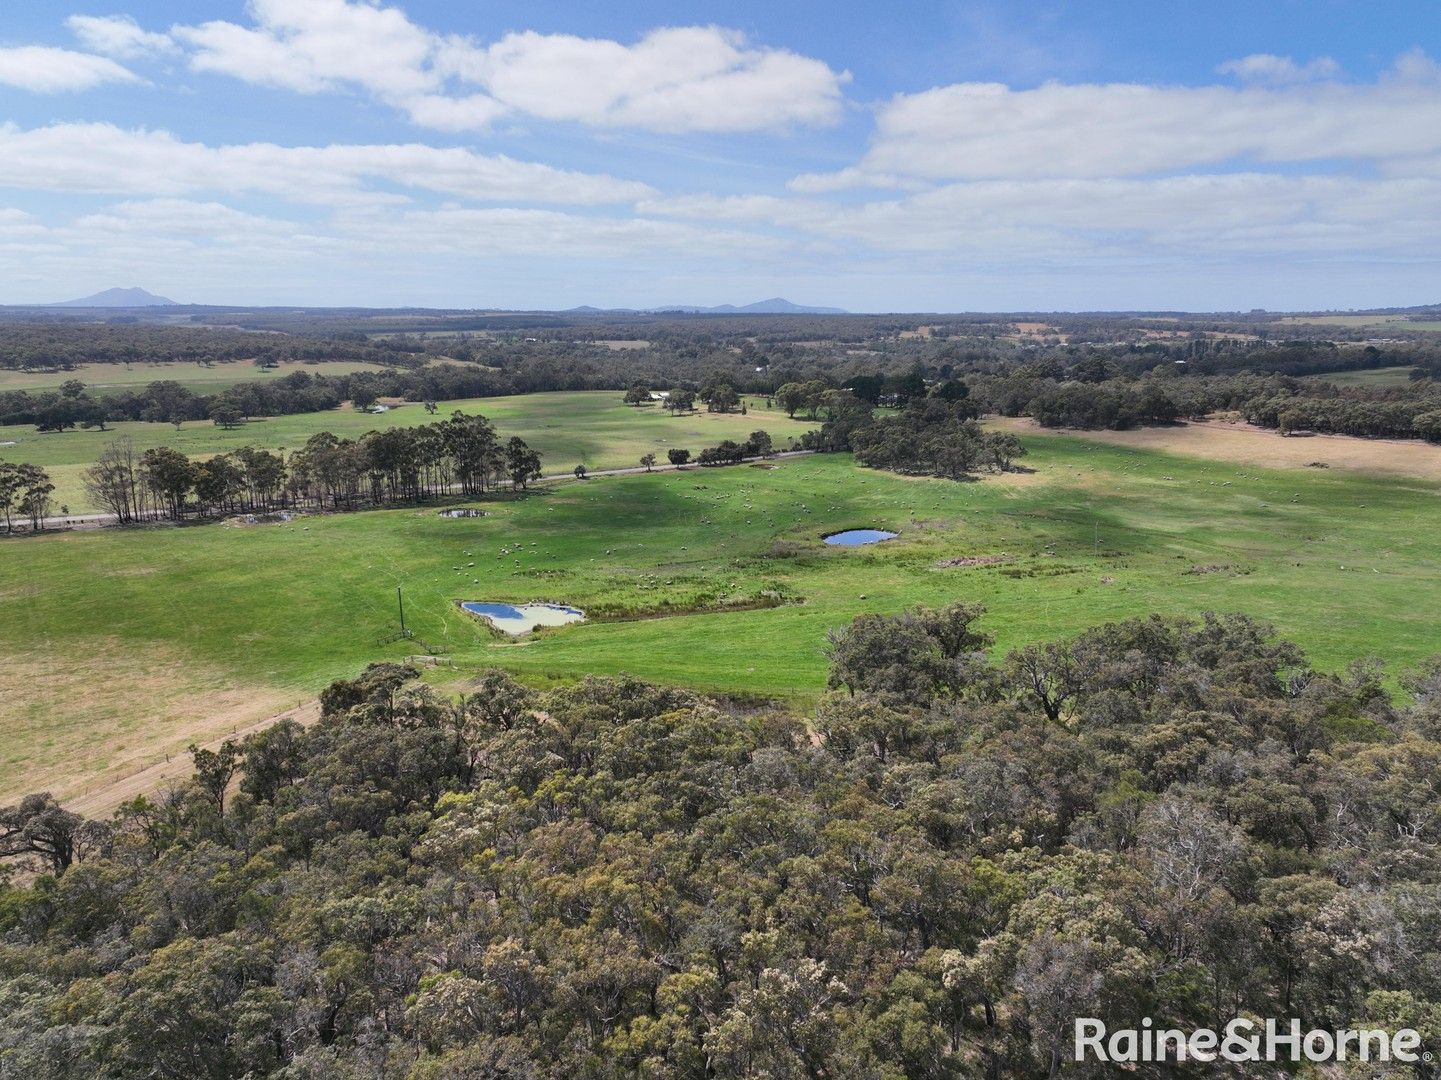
(317, 45)
(1264, 67)
(697, 78)
(46, 70)
(988, 130)
(444, 113)
(105, 159)
(117, 35)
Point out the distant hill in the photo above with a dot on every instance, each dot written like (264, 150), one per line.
(774, 306)
(118, 298)
(777, 305)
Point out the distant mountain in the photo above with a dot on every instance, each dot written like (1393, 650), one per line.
(118, 298)
(774, 306)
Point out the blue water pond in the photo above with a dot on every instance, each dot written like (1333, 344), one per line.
(857, 537)
(523, 618)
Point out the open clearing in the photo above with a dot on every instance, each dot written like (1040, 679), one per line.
(717, 579)
(1223, 441)
(195, 377)
(594, 428)
(1387, 376)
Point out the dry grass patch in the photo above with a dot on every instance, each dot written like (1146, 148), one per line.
(1217, 440)
(74, 724)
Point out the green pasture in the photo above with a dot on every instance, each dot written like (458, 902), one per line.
(674, 568)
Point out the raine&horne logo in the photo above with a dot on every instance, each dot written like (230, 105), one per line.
(1244, 1040)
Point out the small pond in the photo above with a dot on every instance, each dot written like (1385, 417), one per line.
(523, 618)
(857, 537)
(464, 512)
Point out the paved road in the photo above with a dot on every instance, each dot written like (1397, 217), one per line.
(97, 520)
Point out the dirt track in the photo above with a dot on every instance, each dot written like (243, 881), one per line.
(103, 801)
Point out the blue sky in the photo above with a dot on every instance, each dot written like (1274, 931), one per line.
(908, 156)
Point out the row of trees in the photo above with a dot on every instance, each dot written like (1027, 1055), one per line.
(1116, 403)
(1278, 402)
(932, 876)
(730, 452)
(462, 454)
(27, 491)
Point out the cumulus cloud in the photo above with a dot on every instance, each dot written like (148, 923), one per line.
(46, 70)
(117, 35)
(698, 78)
(106, 159)
(989, 130)
(317, 45)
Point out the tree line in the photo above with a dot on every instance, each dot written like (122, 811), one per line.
(63, 345)
(930, 876)
(463, 454)
(1107, 399)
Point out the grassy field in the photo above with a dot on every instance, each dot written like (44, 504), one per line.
(1387, 376)
(122, 646)
(108, 378)
(591, 427)
(1362, 322)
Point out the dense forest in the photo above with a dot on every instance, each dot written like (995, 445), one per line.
(931, 876)
(68, 346)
